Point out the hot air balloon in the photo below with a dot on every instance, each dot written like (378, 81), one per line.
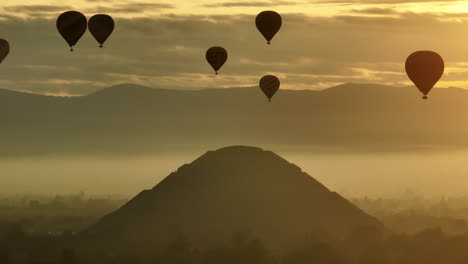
(424, 68)
(216, 57)
(101, 27)
(72, 25)
(268, 23)
(269, 85)
(4, 49)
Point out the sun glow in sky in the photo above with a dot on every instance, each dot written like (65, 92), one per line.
(128, 9)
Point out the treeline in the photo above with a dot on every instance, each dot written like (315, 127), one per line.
(363, 246)
(412, 214)
(54, 214)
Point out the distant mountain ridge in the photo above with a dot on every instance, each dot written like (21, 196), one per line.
(135, 119)
(229, 190)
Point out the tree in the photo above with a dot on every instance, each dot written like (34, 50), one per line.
(4, 255)
(68, 256)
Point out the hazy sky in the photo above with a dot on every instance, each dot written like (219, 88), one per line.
(322, 43)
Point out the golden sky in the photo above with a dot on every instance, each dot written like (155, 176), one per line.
(322, 43)
(212, 7)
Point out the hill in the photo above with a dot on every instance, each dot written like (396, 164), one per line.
(225, 191)
(134, 119)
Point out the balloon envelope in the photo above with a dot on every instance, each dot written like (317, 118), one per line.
(268, 23)
(216, 57)
(101, 27)
(72, 25)
(424, 68)
(269, 85)
(4, 49)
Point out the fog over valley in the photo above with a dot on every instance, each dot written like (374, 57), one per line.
(427, 173)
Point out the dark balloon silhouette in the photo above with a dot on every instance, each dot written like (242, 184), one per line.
(424, 68)
(269, 85)
(4, 49)
(72, 25)
(268, 23)
(101, 27)
(216, 57)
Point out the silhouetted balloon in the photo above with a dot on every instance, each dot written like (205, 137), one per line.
(268, 23)
(101, 27)
(424, 68)
(72, 25)
(4, 49)
(269, 85)
(216, 57)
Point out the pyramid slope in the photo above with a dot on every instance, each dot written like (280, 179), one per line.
(229, 190)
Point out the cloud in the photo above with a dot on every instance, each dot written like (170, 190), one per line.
(376, 11)
(252, 4)
(130, 8)
(35, 8)
(169, 52)
(52, 11)
(356, 2)
(34, 11)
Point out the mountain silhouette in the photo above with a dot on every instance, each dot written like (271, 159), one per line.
(228, 190)
(134, 119)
